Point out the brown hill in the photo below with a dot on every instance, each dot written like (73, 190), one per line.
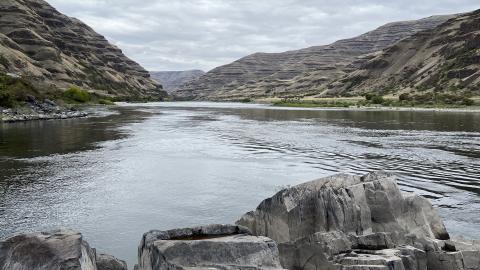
(44, 46)
(298, 72)
(444, 59)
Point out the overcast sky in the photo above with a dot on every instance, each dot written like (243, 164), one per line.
(203, 34)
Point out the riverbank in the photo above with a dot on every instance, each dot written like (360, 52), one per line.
(360, 103)
(45, 110)
(475, 109)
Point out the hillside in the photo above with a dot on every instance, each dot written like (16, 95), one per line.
(444, 59)
(270, 74)
(52, 50)
(171, 80)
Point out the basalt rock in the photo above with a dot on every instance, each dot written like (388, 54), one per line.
(56, 250)
(353, 222)
(108, 262)
(208, 247)
(345, 203)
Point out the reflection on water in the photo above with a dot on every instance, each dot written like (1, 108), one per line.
(180, 164)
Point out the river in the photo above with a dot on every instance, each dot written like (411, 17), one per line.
(137, 167)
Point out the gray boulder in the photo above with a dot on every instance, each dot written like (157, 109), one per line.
(108, 262)
(57, 250)
(213, 247)
(353, 222)
(336, 250)
(345, 203)
(458, 260)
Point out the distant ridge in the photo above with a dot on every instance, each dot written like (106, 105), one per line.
(171, 80)
(443, 59)
(298, 72)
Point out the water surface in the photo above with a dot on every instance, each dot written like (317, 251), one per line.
(168, 165)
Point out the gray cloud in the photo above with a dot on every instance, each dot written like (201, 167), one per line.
(186, 34)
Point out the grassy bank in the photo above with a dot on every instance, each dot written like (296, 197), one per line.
(403, 101)
(17, 92)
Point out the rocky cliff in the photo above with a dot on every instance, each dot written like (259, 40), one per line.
(443, 59)
(171, 80)
(272, 74)
(53, 50)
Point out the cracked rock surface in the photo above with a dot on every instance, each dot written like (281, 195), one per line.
(207, 247)
(56, 250)
(353, 222)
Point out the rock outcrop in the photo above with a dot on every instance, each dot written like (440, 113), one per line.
(342, 222)
(208, 247)
(42, 45)
(298, 72)
(352, 222)
(171, 80)
(108, 262)
(56, 250)
(446, 58)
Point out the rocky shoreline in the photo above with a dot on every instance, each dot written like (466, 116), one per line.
(341, 222)
(39, 110)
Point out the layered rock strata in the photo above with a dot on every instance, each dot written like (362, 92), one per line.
(42, 45)
(352, 222)
(298, 72)
(446, 58)
(172, 80)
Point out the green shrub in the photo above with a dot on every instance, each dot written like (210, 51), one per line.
(6, 100)
(77, 94)
(387, 102)
(246, 100)
(468, 102)
(369, 96)
(3, 61)
(404, 97)
(14, 91)
(105, 102)
(377, 100)
(457, 99)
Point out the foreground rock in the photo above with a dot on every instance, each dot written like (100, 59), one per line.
(351, 222)
(108, 262)
(213, 247)
(57, 250)
(61, 249)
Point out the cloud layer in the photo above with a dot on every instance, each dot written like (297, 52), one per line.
(187, 34)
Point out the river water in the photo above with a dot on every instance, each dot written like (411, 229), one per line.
(139, 167)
